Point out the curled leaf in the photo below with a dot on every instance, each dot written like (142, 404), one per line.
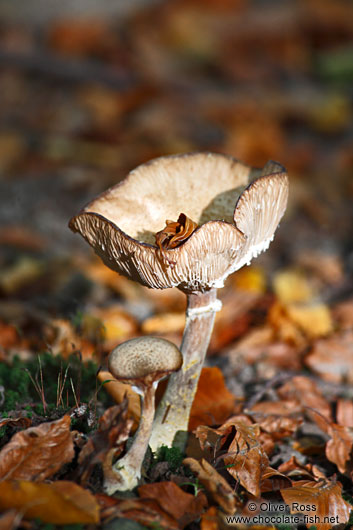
(175, 233)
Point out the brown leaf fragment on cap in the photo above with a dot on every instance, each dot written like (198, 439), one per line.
(38, 452)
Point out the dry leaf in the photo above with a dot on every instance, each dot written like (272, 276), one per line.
(213, 403)
(344, 412)
(66, 340)
(38, 452)
(106, 442)
(216, 486)
(22, 422)
(10, 520)
(119, 390)
(116, 325)
(246, 460)
(183, 507)
(175, 233)
(60, 502)
(332, 358)
(305, 391)
(314, 319)
(164, 323)
(292, 287)
(147, 512)
(324, 499)
(209, 519)
(339, 448)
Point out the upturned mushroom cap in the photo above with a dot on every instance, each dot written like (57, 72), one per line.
(144, 360)
(236, 222)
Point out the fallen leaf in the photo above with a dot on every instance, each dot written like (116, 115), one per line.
(10, 520)
(38, 452)
(314, 319)
(344, 412)
(339, 447)
(305, 392)
(22, 422)
(60, 502)
(183, 507)
(209, 519)
(323, 499)
(106, 442)
(292, 287)
(118, 391)
(64, 340)
(343, 314)
(164, 323)
(213, 403)
(250, 279)
(216, 486)
(245, 459)
(332, 358)
(22, 237)
(147, 512)
(293, 469)
(116, 325)
(24, 272)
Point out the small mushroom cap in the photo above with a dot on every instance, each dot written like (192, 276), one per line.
(144, 359)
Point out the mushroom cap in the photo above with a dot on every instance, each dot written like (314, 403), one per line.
(237, 219)
(144, 359)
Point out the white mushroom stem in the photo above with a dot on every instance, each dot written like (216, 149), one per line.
(128, 469)
(174, 409)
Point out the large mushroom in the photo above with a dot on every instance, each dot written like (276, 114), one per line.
(219, 213)
(140, 362)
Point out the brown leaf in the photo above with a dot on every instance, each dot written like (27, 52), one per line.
(305, 391)
(209, 519)
(10, 520)
(323, 500)
(38, 452)
(292, 468)
(147, 512)
(216, 486)
(60, 502)
(344, 412)
(175, 233)
(213, 403)
(247, 461)
(339, 448)
(118, 391)
(183, 507)
(22, 422)
(106, 442)
(332, 358)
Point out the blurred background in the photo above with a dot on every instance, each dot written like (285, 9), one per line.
(90, 89)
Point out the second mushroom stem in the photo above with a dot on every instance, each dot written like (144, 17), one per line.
(174, 409)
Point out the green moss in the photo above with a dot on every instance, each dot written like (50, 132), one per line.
(172, 455)
(62, 383)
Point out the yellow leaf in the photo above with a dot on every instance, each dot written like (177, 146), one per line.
(61, 502)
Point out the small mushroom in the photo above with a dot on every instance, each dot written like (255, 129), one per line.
(141, 362)
(219, 213)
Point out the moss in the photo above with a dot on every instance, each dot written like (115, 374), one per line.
(172, 455)
(62, 382)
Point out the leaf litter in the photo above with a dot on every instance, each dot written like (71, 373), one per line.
(272, 417)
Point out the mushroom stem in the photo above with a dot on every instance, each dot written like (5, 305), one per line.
(128, 469)
(174, 409)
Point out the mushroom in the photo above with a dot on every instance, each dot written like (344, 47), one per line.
(141, 362)
(235, 222)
